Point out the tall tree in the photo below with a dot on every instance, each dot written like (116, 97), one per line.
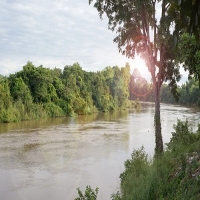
(139, 31)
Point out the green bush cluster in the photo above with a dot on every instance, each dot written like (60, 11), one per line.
(174, 175)
(39, 92)
(89, 194)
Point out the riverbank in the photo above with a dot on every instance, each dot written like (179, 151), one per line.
(19, 112)
(39, 92)
(174, 175)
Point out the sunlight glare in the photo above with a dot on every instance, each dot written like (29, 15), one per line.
(139, 63)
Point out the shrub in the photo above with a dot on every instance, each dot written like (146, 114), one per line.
(174, 175)
(53, 110)
(90, 194)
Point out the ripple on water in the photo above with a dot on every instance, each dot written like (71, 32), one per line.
(45, 161)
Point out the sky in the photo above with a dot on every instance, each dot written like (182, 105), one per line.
(56, 33)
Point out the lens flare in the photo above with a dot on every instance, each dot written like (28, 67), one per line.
(139, 85)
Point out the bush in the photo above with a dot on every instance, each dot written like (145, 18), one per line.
(174, 175)
(90, 194)
(53, 110)
(137, 179)
(182, 137)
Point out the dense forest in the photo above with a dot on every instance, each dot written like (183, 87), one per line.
(38, 92)
(189, 93)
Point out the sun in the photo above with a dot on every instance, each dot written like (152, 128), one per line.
(139, 63)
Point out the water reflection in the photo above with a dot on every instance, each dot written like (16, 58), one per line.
(50, 158)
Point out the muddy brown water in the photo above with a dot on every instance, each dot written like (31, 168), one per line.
(50, 158)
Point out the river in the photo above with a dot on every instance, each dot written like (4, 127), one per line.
(50, 158)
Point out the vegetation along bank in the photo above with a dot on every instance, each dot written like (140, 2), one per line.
(39, 92)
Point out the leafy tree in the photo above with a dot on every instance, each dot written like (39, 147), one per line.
(19, 90)
(186, 15)
(38, 92)
(99, 90)
(132, 20)
(59, 87)
(40, 82)
(166, 96)
(76, 83)
(118, 86)
(190, 93)
(189, 49)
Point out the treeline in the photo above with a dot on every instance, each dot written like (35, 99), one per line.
(38, 92)
(189, 92)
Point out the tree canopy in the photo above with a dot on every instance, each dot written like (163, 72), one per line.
(37, 92)
(143, 29)
(189, 49)
(186, 14)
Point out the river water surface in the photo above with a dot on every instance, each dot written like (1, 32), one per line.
(49, 159)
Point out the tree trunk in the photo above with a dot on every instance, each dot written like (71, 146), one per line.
(158, 134)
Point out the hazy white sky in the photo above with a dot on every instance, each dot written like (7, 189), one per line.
(55, 33)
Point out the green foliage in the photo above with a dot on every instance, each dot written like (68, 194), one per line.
(166, 95)
(53, 110)
(7, 115)
(79, 105)
(38, 92)
(90, 194)
(136, 173)
(182, 137)
(19, 90)
(189, 50)
(132, 21)
(37, 111)
(174, 175)
(5, 96)
(186, 17)
(189, 93)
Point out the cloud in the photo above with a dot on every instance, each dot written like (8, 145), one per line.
(54, 33)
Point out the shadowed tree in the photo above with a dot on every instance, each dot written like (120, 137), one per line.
(139, 31)
(189, 49)
(186, 15)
